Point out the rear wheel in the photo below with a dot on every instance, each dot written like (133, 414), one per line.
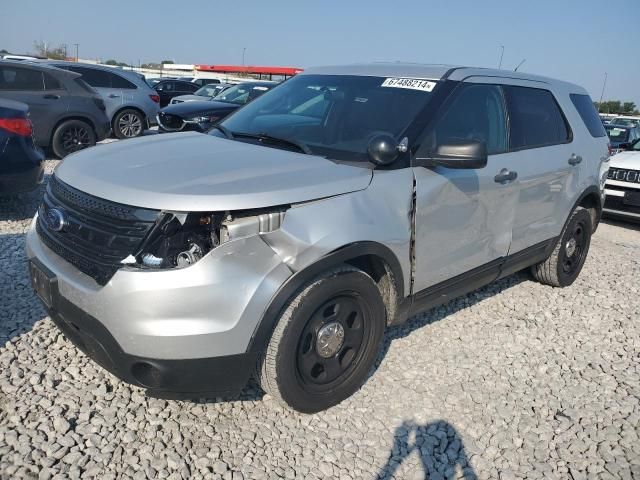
(325, 342)
(565, 263)
(128, 123)
(71, 136)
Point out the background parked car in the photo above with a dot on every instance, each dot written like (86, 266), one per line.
(625, 121)
(621, 136)
(623, 184)
(20, 159)
(205, 81)
(201, 116)
(207, 92)
(67, 114)
(131, 105)
(167, 89)
(153, 81)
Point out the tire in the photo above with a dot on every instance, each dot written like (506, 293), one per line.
(128, 123)
(307, 374)
(565, 262)
(71, 136)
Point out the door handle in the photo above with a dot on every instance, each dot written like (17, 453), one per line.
(505, 176)
(574, 159)
(113, 95)
(51, 96)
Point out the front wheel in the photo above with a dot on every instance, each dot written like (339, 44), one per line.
(565, 262)
(325, 342)
(71, 136)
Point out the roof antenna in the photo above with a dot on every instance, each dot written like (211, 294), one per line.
(520, 64)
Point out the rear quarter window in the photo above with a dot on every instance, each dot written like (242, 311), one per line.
(535, 118)
(120, 82)
(588, 113)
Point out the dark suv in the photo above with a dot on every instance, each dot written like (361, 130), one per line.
(67, 114)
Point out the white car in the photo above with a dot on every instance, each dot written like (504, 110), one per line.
(623, 184)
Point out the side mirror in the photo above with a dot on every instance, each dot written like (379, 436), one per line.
(383, 149)
(461, 154)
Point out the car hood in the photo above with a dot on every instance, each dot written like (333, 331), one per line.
(191, 98)
(191, 171)
(628, 160)
(187, 109)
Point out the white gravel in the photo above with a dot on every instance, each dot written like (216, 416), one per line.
(516, 380)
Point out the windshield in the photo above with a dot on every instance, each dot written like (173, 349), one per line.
(636, 146)
(334, 115)
(209, 90)
(618, 134)
(241, 93)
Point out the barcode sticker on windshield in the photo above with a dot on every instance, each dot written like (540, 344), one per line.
(412, 83)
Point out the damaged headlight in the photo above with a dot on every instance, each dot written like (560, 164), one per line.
(179, 240)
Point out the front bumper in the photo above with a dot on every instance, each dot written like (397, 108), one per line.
(615, 204)
(184, 330)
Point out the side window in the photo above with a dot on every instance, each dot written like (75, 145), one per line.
(588, 113)
(120, 82)
(188, 87)
(51, 82)
(476, 113)
(535, 118)
(94, 77)
(16, 78)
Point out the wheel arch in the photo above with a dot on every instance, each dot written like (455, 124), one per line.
(374, 258)
(591, 200)
(127, 107)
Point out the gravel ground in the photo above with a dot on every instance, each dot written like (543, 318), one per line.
(516, 380)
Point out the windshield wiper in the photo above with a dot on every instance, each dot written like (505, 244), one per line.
(226, 131)
(264, 137)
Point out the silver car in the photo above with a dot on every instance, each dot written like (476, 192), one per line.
(206, 92)
(343, 201)
(131, 104)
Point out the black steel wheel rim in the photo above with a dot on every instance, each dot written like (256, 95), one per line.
(574, 248)
(321, 369)
(75, 138)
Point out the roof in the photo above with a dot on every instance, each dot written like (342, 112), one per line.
(38, 64)
(432, 72)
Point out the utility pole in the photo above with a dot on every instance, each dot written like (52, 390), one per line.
(520, 64)
(243, 50)
(77, 56)
(501, 55)
(64, 45)
(604, 84)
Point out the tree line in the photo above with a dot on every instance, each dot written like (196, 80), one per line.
(617, 106)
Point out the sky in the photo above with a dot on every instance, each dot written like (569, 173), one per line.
(572, 40)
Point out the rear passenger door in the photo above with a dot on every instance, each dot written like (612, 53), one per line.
(546, 162)
(102, 82)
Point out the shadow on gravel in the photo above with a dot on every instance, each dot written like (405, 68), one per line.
(439, 313)
(22, 206)
(618, 222)
(20, 309)
(439, 447)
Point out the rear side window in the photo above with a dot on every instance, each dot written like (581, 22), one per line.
(51, 82)
(17, 78)
(94, 77)
(120, 82)
(588, 113)
(535, 118)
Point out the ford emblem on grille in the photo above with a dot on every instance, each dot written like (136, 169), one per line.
(55, 220)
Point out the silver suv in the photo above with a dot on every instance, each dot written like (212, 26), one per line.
(131, 104)
(284, 242)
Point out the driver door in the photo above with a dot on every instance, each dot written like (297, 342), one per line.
(464, 217)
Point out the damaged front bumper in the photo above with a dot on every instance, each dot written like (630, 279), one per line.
(179, 330)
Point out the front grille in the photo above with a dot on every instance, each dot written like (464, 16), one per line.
(97, 234)
(624, 175)
(169, 121)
